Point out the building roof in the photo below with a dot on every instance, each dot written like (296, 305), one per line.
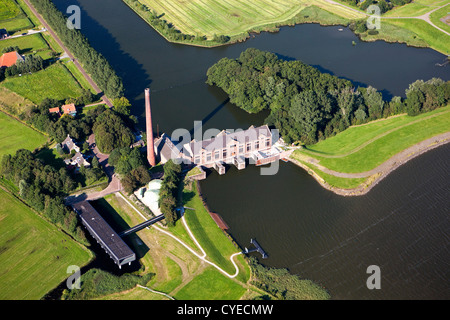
(54, 110)
(165, 148)
(103, 232)
(69, 108)
(10, 58)
(225, 138)
(70, 144)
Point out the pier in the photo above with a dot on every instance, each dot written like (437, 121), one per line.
(257, 248)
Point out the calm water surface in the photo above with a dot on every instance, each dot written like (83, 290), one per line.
(402, 225)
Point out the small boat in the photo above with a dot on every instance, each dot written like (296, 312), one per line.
(340, 29)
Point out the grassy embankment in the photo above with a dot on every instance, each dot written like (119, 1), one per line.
(34, 254)
(179, 273)
(238, 18)
(363, 148)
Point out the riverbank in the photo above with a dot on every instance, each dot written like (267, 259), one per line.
(379, 173)
(236, 24)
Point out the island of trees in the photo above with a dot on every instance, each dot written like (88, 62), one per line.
(307, 105)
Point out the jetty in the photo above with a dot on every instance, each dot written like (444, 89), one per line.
(257, 248)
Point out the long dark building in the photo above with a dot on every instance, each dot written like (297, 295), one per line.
(110, 241)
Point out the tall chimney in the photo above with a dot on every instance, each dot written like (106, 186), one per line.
(148, 117)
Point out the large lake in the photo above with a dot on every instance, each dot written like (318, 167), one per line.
(402, 225)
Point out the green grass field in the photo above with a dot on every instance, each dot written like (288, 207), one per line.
(53, 82)
(15, 135)
(432, 36)
(237, 17)
(362, 148)
(8, 9)
(34, 255)
(215, 243)
(209, 17)
(178, 272)
(436, 17)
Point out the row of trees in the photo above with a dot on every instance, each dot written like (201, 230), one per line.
(169, 192)
(43, 187)
(94, 63)
(382, 4)
(307, 105)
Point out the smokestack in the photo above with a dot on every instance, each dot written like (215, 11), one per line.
(148, 117)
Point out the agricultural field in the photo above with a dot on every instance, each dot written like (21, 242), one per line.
(363, 148)
(8, 10)
(228, 18)
(34, 254)
(236, 18)
(12, 18)
(15, 135)
(54, 82)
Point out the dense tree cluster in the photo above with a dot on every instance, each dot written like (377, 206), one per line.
(283, 285)
(169, 190)
(307, 105)
(111, 132)
(129, 163)
(43, 188)
(57, 127)
(382, 4)
(94, 63)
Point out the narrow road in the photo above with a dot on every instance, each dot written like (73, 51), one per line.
(392, 163)
(61, 44)
(425, 17)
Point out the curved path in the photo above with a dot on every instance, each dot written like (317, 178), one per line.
(203, 255)
(391, 163)
(365, 144)
(425, 17)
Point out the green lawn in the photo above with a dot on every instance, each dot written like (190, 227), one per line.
(436, 17)
(53, 82)
(415, 8)
(211, 285)
(209, 17)
(342, 153)
(216, 244)
(34, 254)
(27, 44)
(432, 36)
(15, 135)
(8, 9)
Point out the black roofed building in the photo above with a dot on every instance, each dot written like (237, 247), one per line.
(110, 241)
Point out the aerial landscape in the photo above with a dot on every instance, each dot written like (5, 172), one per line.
(241, 151)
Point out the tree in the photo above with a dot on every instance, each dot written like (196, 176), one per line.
(122, 106)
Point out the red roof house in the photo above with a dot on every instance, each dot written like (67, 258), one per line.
(54, 110)
(9, 59)
(69, 109)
